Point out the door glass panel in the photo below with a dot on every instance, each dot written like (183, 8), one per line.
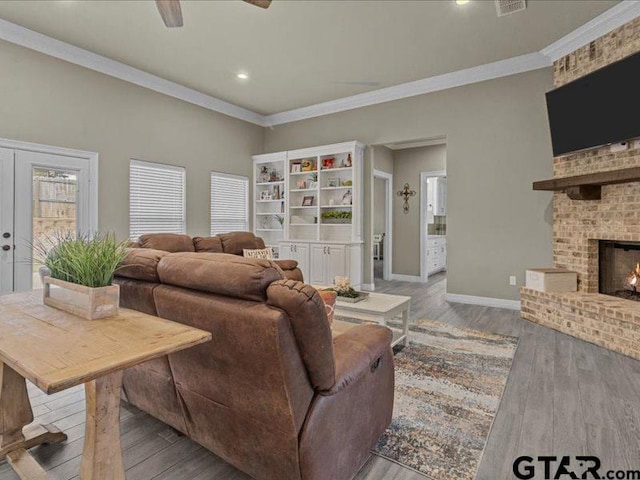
(55, 202)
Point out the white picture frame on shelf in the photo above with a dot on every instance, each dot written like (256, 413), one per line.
(296, 168)
(333, 182)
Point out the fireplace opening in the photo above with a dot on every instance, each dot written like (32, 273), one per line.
(619, 269)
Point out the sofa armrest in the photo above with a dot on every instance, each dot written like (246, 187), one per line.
(287, 264)
(358, 351)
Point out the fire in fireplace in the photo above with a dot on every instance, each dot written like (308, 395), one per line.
(619, 269)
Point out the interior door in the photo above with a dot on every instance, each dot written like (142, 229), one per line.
(51, 198)
(6, 220)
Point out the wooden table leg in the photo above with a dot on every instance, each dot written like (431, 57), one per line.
(405, 326)
(15, 408)
(15, 438)
(102, 455)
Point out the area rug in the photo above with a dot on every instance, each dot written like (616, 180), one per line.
(449, 382)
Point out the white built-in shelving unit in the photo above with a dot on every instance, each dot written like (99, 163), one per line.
(320, 192)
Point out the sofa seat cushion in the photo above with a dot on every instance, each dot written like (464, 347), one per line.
(141, 264)
(220, 273)
(169, 242)
(235, 242)
(208, 244)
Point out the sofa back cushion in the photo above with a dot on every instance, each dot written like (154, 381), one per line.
(141, 264)
(208, 244)
(220, 273)
(310, 326)
(169, 242)
(235, 242)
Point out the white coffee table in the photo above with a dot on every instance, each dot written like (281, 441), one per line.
(379, 308)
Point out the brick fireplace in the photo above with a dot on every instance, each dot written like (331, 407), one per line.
(579, 226)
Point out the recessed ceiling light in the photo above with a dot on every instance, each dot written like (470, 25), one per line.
(243, 76)
(462, 2)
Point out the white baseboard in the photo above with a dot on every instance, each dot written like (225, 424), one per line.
(485, 301)
(406, 278)
(370, 287)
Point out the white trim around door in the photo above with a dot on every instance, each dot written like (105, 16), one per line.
(17, 183)
(387, 246)
(91, 157)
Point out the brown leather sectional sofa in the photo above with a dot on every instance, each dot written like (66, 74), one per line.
(273, 393)
(233, 243)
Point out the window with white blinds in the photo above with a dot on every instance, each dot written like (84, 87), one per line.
(229, 203)
(156, 198)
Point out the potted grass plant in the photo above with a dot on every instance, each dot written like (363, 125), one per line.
(79, 273)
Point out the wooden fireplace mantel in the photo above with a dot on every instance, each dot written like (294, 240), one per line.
(588, 187)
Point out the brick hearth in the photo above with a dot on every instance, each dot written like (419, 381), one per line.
(607, 321)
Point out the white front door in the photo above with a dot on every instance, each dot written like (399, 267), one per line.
(43, 195)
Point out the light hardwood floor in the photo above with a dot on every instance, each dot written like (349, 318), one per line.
(564, 397)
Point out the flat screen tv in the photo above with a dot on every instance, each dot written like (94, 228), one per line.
(597, 109)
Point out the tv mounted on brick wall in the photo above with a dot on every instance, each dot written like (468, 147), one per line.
(597, 109)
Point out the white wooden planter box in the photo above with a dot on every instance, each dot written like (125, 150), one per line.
(552, 280)
(86, 302)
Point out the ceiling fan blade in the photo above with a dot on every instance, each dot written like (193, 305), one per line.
(170, 12)
(259, 3)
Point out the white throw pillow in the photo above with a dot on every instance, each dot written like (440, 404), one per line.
(263, 253)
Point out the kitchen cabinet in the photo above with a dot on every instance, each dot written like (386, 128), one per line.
(436, 260)
(436, 197)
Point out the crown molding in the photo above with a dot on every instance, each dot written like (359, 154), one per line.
(611, 19)
(481, 73)
(417, 144)
(55, 48)
(607, 21)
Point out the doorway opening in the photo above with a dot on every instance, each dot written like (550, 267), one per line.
(45, 191)
(433, 223)
(382, 224)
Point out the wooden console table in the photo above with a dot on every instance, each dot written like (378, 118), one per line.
(56, 350)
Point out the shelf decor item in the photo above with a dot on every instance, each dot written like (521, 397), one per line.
(347, 198)
(264, 175)
(333, 182)
(307, 201)
(78, 273)
(336, 217)
(308, 165)
(295, 168)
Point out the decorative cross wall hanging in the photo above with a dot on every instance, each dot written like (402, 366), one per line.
(407, 193)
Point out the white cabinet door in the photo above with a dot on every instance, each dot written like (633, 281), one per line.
(336, 262)
(431, 199)
(301, 255)
(286, 251)
(298, 252)
(441, 192)
(317, 271)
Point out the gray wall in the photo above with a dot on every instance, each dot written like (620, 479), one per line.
(407, 165)
(497, 144)
(49, 101)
